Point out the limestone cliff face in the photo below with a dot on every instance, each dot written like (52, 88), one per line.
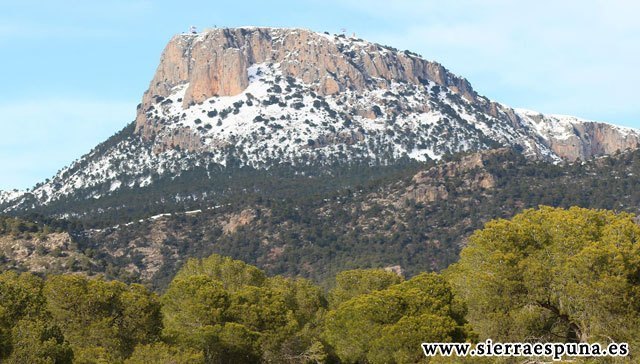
(573, 138)
(215, 63)
(594, 139)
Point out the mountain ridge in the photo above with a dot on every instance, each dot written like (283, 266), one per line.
(262, 97)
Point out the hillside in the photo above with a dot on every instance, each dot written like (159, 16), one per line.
(417, 222)
(412, 218)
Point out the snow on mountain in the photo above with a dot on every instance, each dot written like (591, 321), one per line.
(267, 96)
(6, 196)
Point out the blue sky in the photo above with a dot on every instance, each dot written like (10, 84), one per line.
(72, 72)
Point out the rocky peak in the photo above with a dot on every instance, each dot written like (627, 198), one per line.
(346, 82)
(216, 62)
(429, 185)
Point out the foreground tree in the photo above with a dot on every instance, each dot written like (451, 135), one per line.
(352, 283)
(165, 354)
(26, 333)
(553, 274)
(39, 342)
(233, 313)
(103, 321)
(388, 325)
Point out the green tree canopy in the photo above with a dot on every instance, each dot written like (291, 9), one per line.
(233, 274)
(352, 283)
(163, 353)
(553, 274)
(102, 320)
(37, 341)
(388, 325)
(233, 313)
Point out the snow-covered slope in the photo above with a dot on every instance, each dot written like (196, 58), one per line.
(281, 119)
(265, 96)
(10, 195)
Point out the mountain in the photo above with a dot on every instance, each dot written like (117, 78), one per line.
(227, 102)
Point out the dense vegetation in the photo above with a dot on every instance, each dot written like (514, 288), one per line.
(219, 310)
(316, 233)
(319, 223)
(211, 184)
(546, 275)
(552, 274)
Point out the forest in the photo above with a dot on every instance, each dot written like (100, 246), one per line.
(547, 274)
(350, 225)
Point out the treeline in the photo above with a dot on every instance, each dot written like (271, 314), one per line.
(219, 310)
(35, 226)
(547, 275)
(18, 227)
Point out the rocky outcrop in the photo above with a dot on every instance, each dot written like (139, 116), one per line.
(426, 193)
(235, 221)
(51, 253)
(184, 138)
(572, 138)
(397, 269)
(429, 185)
(593, 139)
(345, 137)
(215, 63)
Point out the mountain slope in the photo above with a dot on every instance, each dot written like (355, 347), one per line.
(413, 218)
(417, 220)
(228, 99)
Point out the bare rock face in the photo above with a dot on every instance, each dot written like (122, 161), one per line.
(223, 74)
(572, 138)
(347, 138)
(593, 139)
(428, 185)
(426, 193)
(184, 138)
(397, 269)
(215, 63)
(236, 221)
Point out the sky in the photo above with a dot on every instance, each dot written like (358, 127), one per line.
(72, 72)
